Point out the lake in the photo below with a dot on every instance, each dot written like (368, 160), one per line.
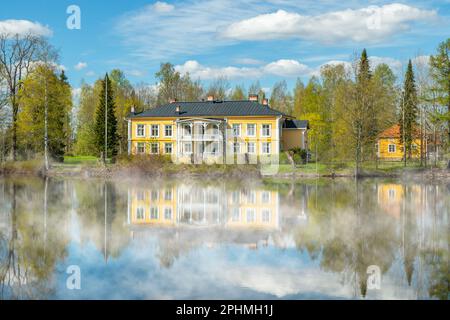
(154, 239)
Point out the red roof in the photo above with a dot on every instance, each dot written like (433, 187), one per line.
(394, 132)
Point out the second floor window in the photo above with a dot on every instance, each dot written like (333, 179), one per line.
(251, 130)
(168, 130)
(140, 130)
(236, 130)
(266, 130)
(154, 130)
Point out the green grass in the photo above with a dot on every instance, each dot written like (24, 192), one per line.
(80, 160)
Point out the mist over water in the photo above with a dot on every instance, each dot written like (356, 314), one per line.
(315, 239)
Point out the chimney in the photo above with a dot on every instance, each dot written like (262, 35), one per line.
(265, 102)
(177, 109)
(171, 100)
(210, 98)
(133, 111)
(253, 97)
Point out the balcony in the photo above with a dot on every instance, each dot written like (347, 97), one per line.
(201, 137)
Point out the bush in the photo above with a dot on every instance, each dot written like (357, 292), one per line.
(299, 155)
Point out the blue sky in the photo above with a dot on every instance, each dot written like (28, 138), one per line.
(242, 40)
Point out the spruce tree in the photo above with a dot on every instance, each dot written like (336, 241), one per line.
(99, 128)
(408, 109)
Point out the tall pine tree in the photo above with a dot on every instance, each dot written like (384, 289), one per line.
(408, 109)
(99, 128)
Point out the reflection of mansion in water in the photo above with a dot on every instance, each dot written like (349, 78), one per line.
(190, 205)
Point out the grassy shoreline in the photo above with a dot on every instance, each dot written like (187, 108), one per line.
(86, 167)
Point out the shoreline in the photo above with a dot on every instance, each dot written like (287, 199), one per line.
(239, 172)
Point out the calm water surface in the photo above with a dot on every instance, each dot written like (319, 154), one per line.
(230, 239)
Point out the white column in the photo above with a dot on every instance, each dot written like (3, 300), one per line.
(129, 136)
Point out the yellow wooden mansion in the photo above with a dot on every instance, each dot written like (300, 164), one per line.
(211, 131)
(390, 145)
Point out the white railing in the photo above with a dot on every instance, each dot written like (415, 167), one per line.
(201, 137)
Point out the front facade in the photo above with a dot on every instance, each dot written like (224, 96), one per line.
(390, 145)
(213, 132)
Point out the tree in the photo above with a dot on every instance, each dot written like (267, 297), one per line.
(106, 122)
(174, 86)
(17, 54)
(280, 99)
(440, 71)
(219, 88)
(43, 89)
(238, 93)
(408, 110)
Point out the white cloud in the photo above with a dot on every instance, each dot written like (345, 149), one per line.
(24, 27)
(90, 74)
(286, 68)
(249, 61)
(421, 60)
(162, 7)
(80, 65)
(394, 64)
(282, 68)
(370, 24)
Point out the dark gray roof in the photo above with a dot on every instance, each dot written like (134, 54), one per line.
(296, 124)
(209, 109)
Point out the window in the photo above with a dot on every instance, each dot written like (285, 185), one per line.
(236, 215)
(251, 147)
(391, 193)
(154, 148)
(154, 213)
(168, 195)
(154, 132)
(168, 130)
(140, 130)
(236, 196)
(236, 147)
(265, 146)
(414, 147)
(187, 147)
(265, 130)
(250, 215)
(187, 131)
(154, 195)
(140, 215)
(168, 148)
(251, 129)
(168, 213)
(214, 148)
(140, 195)
(236, 130)
(265, 197)
(265, 215)
(215, 129)
(251, 197)
(391, 148)
(140, 147)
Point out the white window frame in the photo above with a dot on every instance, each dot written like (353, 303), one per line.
(251, 197)
(262, 147)
(137, 147)
(263, 198)
(389, 148)
(156, 210)
(153, 126)
(262, 130)
(234, 148)
(165, 147)
(154, 192)
(166, 193)
(151, 147)
(139, 125)
(171, 213)
(184, 147)
(253, 211)
(171, 130)
(234, 126)
(266, 210)
(138, 211)
(254, 129)
(254, 147)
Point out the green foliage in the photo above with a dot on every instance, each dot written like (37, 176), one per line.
(106, 104)
(43, 87)
(408, 109)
